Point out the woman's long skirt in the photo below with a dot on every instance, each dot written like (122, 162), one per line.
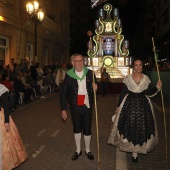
(12, 151)
(134, 128)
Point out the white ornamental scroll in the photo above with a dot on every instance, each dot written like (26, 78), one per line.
(96, 2)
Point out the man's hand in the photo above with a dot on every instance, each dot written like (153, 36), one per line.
(7, 127)
(94, 86)
(64, 115)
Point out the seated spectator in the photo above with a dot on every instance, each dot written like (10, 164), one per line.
(49, 79)
(51, 66)
(23, 65)
(40, 73)
(20, 87)
(33, 84)
(10, 86)
(15, 69)
(23, 80)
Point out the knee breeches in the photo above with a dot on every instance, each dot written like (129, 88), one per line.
(82, 119)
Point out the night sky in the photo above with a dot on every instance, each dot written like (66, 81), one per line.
(128, 13)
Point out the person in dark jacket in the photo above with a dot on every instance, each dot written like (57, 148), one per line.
(78, 88)
(19, 87)
(33, 70)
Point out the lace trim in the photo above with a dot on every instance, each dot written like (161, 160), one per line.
(153, 94)
(136, 88)
(126, 146)
(123, 144)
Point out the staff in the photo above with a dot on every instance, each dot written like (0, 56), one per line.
(89, 33)
(163, 108)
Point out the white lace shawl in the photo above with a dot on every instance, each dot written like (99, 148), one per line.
(3, 89)
(133, 86)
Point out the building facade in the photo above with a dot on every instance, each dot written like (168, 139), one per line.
(17, 32)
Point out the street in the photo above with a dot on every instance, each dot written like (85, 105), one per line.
(50, 144)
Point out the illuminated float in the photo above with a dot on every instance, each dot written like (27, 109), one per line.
(108, 48)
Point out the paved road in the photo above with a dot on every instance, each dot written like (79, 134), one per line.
(50, 144)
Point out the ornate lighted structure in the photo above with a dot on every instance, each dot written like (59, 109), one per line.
(108, 48)
(96, 2)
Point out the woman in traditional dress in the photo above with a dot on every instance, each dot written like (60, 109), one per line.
(12, 151)
(134, 127)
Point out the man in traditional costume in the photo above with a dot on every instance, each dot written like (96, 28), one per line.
(78, 89)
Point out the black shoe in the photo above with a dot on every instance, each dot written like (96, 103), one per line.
(135, 159)
(76, 155)
(90, 155)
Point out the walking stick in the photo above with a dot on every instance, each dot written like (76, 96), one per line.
(95, 103)
(163, 108)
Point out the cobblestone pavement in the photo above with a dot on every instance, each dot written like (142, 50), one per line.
(50, 144)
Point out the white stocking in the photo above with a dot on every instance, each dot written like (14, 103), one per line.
(87, 140)
(134, 154)
(77, 137)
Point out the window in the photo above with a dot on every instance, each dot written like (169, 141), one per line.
(2, 54)
(4, 46)
(2, 41)
(29, 53)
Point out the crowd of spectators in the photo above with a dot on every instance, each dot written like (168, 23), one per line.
(162, 66)
(28, 83)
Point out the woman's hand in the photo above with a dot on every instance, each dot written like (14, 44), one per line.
(159, 85)
(7, 127)
(116, 111)
(114, 116)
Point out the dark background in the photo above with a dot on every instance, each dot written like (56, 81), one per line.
(128, 13)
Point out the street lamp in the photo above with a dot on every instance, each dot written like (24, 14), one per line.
(37, 15)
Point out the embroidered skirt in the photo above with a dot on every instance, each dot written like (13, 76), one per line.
(12, 151)
(134, 128)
